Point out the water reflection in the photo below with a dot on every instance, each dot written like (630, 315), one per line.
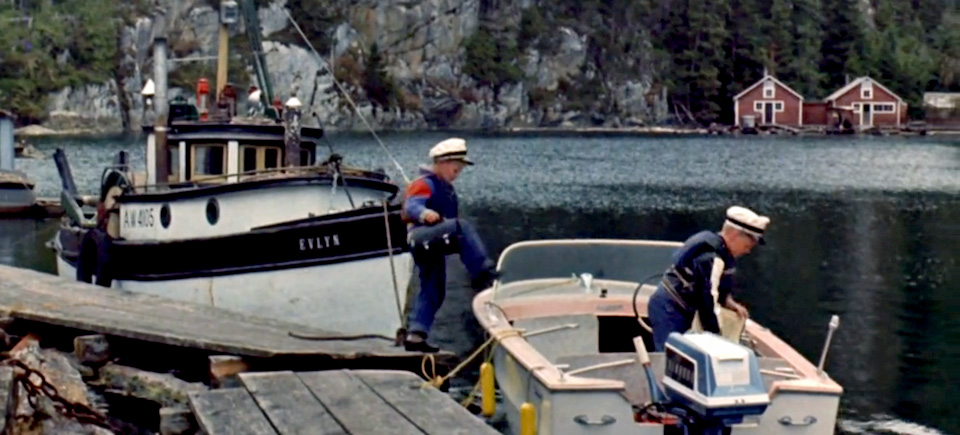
(22, 243)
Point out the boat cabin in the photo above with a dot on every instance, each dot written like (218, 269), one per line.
(222, 150)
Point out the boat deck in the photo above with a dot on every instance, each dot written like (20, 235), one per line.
(332, 402)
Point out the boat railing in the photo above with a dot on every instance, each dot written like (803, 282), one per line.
(279, 172)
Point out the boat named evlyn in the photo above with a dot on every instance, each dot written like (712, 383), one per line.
(240, 213)
(572, 353)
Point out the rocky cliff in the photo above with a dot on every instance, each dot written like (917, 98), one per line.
(439, 63)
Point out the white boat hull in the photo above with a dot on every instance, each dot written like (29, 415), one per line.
(355, 297)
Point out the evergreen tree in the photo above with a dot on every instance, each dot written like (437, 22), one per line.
(843, 42)
(377, 83)
(745, 47)
(947, 42)
(699, 56)
(778, 49)
(802, 70)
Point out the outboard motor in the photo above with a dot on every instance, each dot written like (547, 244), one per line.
(716, 379)
(711, 382)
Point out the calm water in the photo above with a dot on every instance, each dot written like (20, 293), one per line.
(865, 228)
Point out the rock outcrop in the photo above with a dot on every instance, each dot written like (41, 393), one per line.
(423, 48)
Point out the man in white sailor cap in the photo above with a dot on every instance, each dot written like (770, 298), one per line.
(434, 231)
(701, 276)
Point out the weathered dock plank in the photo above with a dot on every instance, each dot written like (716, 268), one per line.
(337, 402)
(289, 405)
(230, 411)
(31, 295)
(428, 408)
(358, 408)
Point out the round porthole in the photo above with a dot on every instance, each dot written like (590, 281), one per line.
(165, 215)
(213, 211)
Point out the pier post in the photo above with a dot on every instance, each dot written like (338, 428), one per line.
(6, 140)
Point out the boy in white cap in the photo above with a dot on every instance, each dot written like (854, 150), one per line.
(434, 231)
(702, 275)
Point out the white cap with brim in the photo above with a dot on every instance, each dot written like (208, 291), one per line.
(747, 221)
(450, 149)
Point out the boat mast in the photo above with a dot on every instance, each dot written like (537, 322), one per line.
(228, 15)
(157, 154)
(259, 63)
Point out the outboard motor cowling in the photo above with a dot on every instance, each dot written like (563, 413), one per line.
(716, 379)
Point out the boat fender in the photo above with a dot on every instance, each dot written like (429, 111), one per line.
(94, 259)
(488, 402)
(528, 419)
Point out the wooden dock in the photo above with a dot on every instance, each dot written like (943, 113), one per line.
(332, 402)
(47, 301)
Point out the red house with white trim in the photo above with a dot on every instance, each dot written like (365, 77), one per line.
(872, 104)
(770, 102)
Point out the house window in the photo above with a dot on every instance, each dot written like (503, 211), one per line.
(856, 107)
(768, 89)
(866, 90)
(778, 106)
(883, 108)
(757, 106)
(209, 160)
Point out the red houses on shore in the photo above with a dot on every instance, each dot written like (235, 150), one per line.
(862, 103)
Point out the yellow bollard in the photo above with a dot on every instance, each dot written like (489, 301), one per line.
(528, 419)
(488, 403)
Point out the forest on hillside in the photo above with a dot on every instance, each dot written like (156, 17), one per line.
(702, 51)
(710, 50)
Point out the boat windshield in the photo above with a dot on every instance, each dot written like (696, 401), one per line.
(544, 267)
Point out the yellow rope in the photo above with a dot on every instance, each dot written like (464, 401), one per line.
(436, 381)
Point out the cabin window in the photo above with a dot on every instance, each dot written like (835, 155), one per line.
(209, 160)
(758, 106)
(306, 157)
(778, 106)
(883, 108)
(173, 164)
(257, 158)
(249, 159)
(856, 107)
(271, 158)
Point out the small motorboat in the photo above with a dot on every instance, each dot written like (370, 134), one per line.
(572, 353)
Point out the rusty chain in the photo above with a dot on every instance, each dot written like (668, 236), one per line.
(77, 411)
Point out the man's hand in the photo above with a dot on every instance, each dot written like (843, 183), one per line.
(430, 217)
(740, 309)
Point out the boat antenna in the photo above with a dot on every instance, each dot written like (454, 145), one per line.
(347, 96)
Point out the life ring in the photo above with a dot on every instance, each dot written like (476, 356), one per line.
(94, 260)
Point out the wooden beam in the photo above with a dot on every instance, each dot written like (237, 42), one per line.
(177, 421)
(225, 368)
(91, 349)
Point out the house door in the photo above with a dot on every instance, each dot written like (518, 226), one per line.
(866, 115)
(768, 113)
